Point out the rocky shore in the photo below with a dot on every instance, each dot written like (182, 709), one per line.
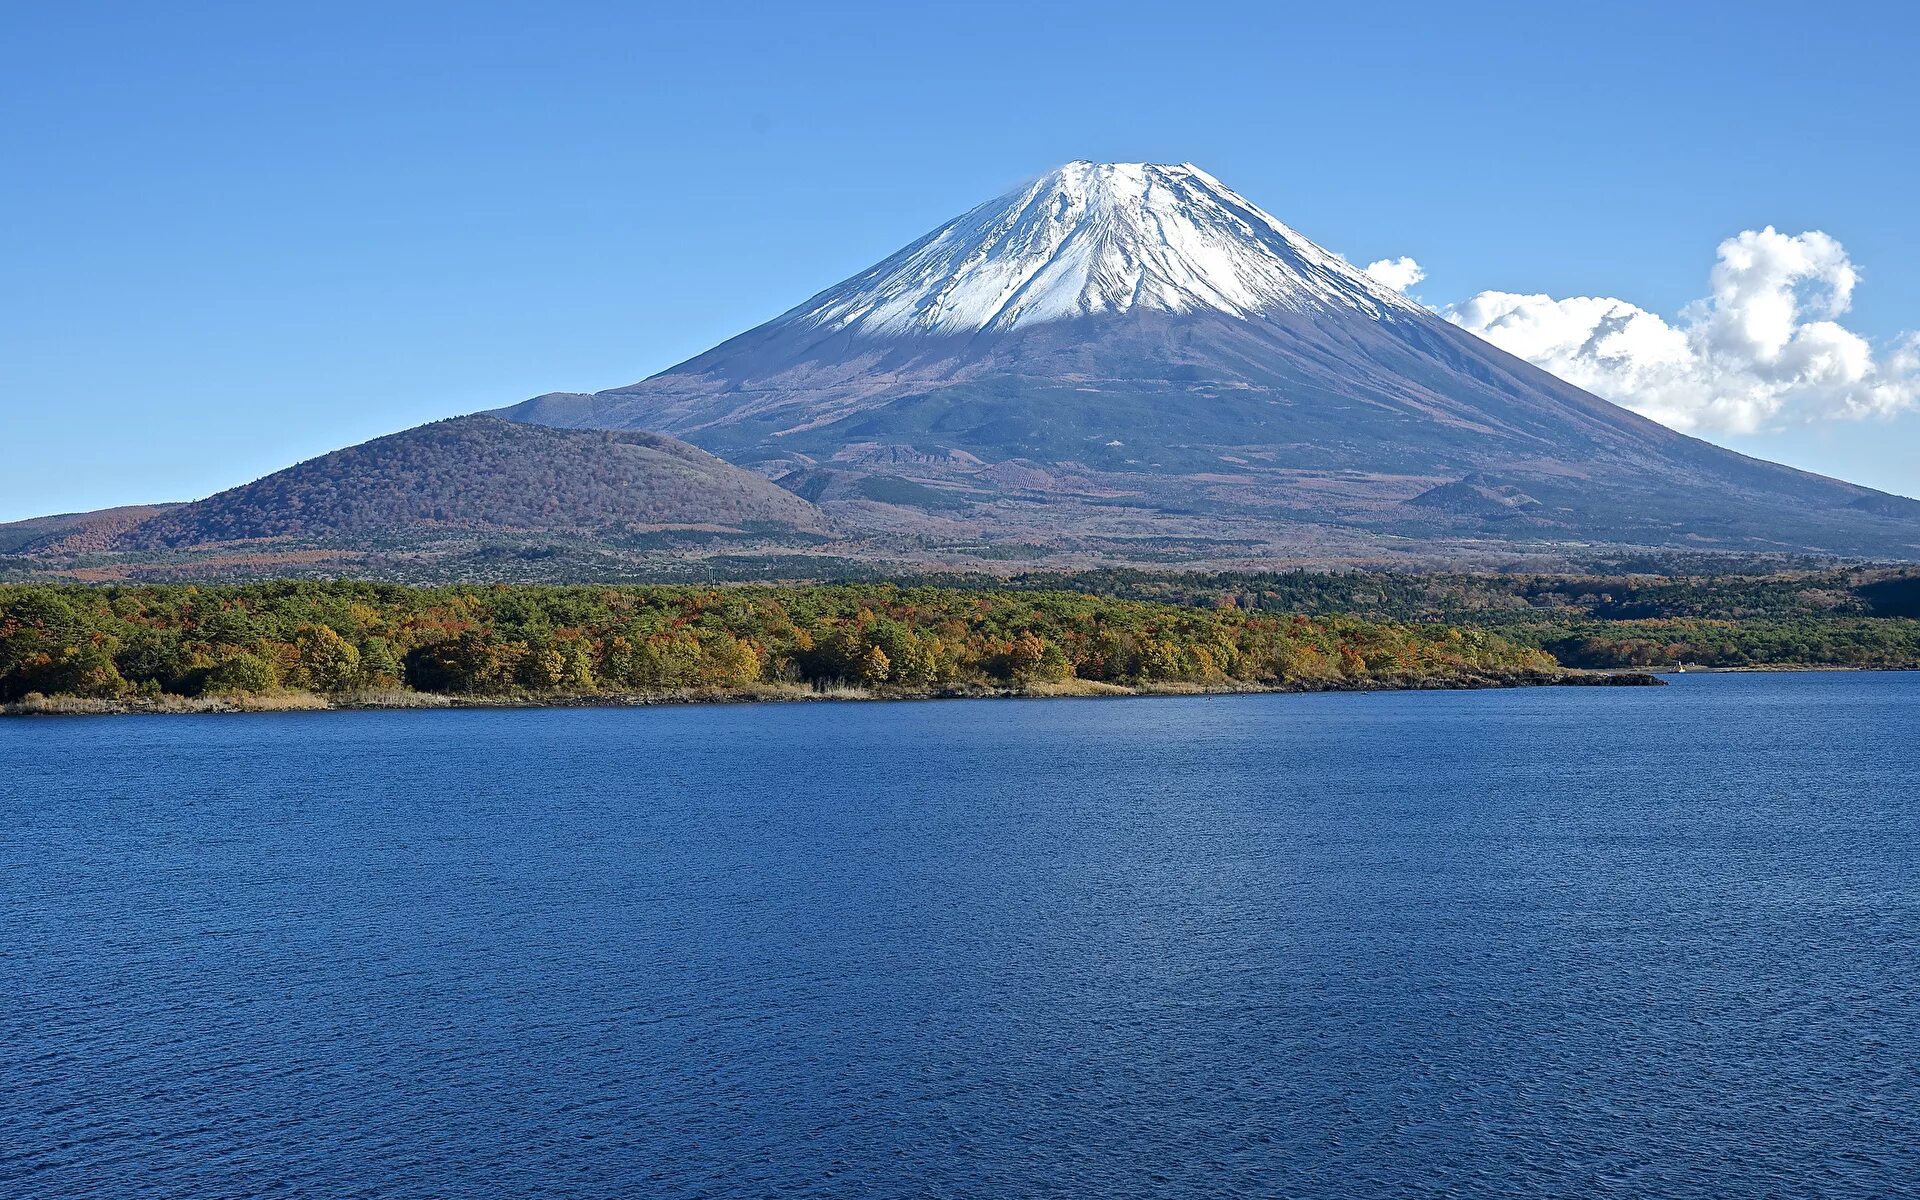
(398, 699)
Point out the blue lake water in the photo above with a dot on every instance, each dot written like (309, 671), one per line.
(1585, 942)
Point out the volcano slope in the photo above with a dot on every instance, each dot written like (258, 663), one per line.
(1128, 353)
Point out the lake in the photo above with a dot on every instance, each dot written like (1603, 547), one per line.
(1569, 941)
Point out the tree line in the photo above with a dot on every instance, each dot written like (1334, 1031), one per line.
(1833, 616)
(333, 637)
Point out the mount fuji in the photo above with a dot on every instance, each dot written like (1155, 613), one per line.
(1135, 351)
(1118, 363)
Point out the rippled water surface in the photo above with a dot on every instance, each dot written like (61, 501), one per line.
(1585, 942)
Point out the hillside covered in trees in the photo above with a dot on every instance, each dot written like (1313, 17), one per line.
(483, 473)
(337, 638)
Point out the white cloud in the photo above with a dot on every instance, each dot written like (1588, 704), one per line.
(1763, 349)
(1397, 273)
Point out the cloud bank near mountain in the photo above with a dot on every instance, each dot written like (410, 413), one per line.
(1397, 273)
(1764, 348)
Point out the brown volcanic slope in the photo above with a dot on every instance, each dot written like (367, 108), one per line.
(484, 474)
(75, 533)
(1321, 406)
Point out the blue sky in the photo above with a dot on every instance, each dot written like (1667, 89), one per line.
(240, 235)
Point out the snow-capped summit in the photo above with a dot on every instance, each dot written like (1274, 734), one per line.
(1098, 238)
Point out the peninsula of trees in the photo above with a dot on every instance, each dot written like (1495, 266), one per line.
(142, 646)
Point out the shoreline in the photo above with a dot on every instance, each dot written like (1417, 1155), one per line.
(396, 700)
(1770, 669)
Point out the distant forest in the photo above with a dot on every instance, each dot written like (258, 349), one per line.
(506, 640)
(1858, 617)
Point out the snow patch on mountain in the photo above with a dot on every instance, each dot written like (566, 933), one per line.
(1095, 239)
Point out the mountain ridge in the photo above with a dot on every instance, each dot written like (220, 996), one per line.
(482, 474)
